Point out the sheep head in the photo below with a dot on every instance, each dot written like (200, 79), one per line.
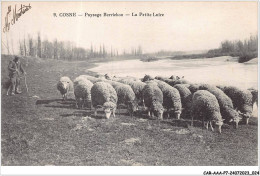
(65, 84)
(246, 116)
(158, 109)
(109, 107)
(219, 123)
(234, 116)
(132, 106)
(177, 114)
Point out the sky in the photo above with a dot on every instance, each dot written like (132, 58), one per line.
(185, 26)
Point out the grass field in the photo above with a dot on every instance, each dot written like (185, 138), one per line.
(40, 129)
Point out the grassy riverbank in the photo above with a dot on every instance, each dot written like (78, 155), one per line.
(38, 128)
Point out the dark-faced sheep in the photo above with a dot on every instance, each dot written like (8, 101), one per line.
(65, 85)
(147, 78)
(205, 107)
(172, 82)
(193, 87)
(153, 99)
(160, 78)
(104, 95)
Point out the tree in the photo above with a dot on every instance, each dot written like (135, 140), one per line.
(55, 49)
(100, 51)
(227, 46)
(31, 52)
(12, 43)
(104, 51)
(91, 51)
(24, 46)
(21, 48)
(139, 51)
(7, 45)
(39, 48)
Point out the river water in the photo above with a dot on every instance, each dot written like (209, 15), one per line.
(217, 71)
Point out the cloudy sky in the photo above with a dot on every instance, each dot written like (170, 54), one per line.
(185, 25)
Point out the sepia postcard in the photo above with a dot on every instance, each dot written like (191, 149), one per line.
(129, 83)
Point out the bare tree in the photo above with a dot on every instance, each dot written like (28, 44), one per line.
(55, 49)
(39, 48)
(100, 51)
(7, 45)
(21, 48)
(12, 43)
(24, 46)
(31, 52)
(104, 51)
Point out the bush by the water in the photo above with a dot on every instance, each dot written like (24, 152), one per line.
(244, 57)
(244, 50)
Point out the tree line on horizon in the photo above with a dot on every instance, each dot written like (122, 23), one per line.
(244, 50)
(65, 50)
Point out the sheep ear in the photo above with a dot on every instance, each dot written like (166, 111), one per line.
(223, 120)
(231, 120)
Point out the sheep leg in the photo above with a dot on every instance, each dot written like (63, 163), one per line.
(84, 104)
(210, 123)
(149, 114)
(77, 106)
(114, 112)
(143, 103)
(207, 125)
(203, 122)
(247, 120)
(95, 111)
(8, 90)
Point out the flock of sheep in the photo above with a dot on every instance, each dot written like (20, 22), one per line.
(172, 96)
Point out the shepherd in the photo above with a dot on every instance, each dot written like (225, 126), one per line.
(15, 69)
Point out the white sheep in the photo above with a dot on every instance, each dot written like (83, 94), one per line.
(171, 98)
(126, 96)
(104, 95)
(205, 107)
(153, 99)
(82, 91)
(64, 85)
